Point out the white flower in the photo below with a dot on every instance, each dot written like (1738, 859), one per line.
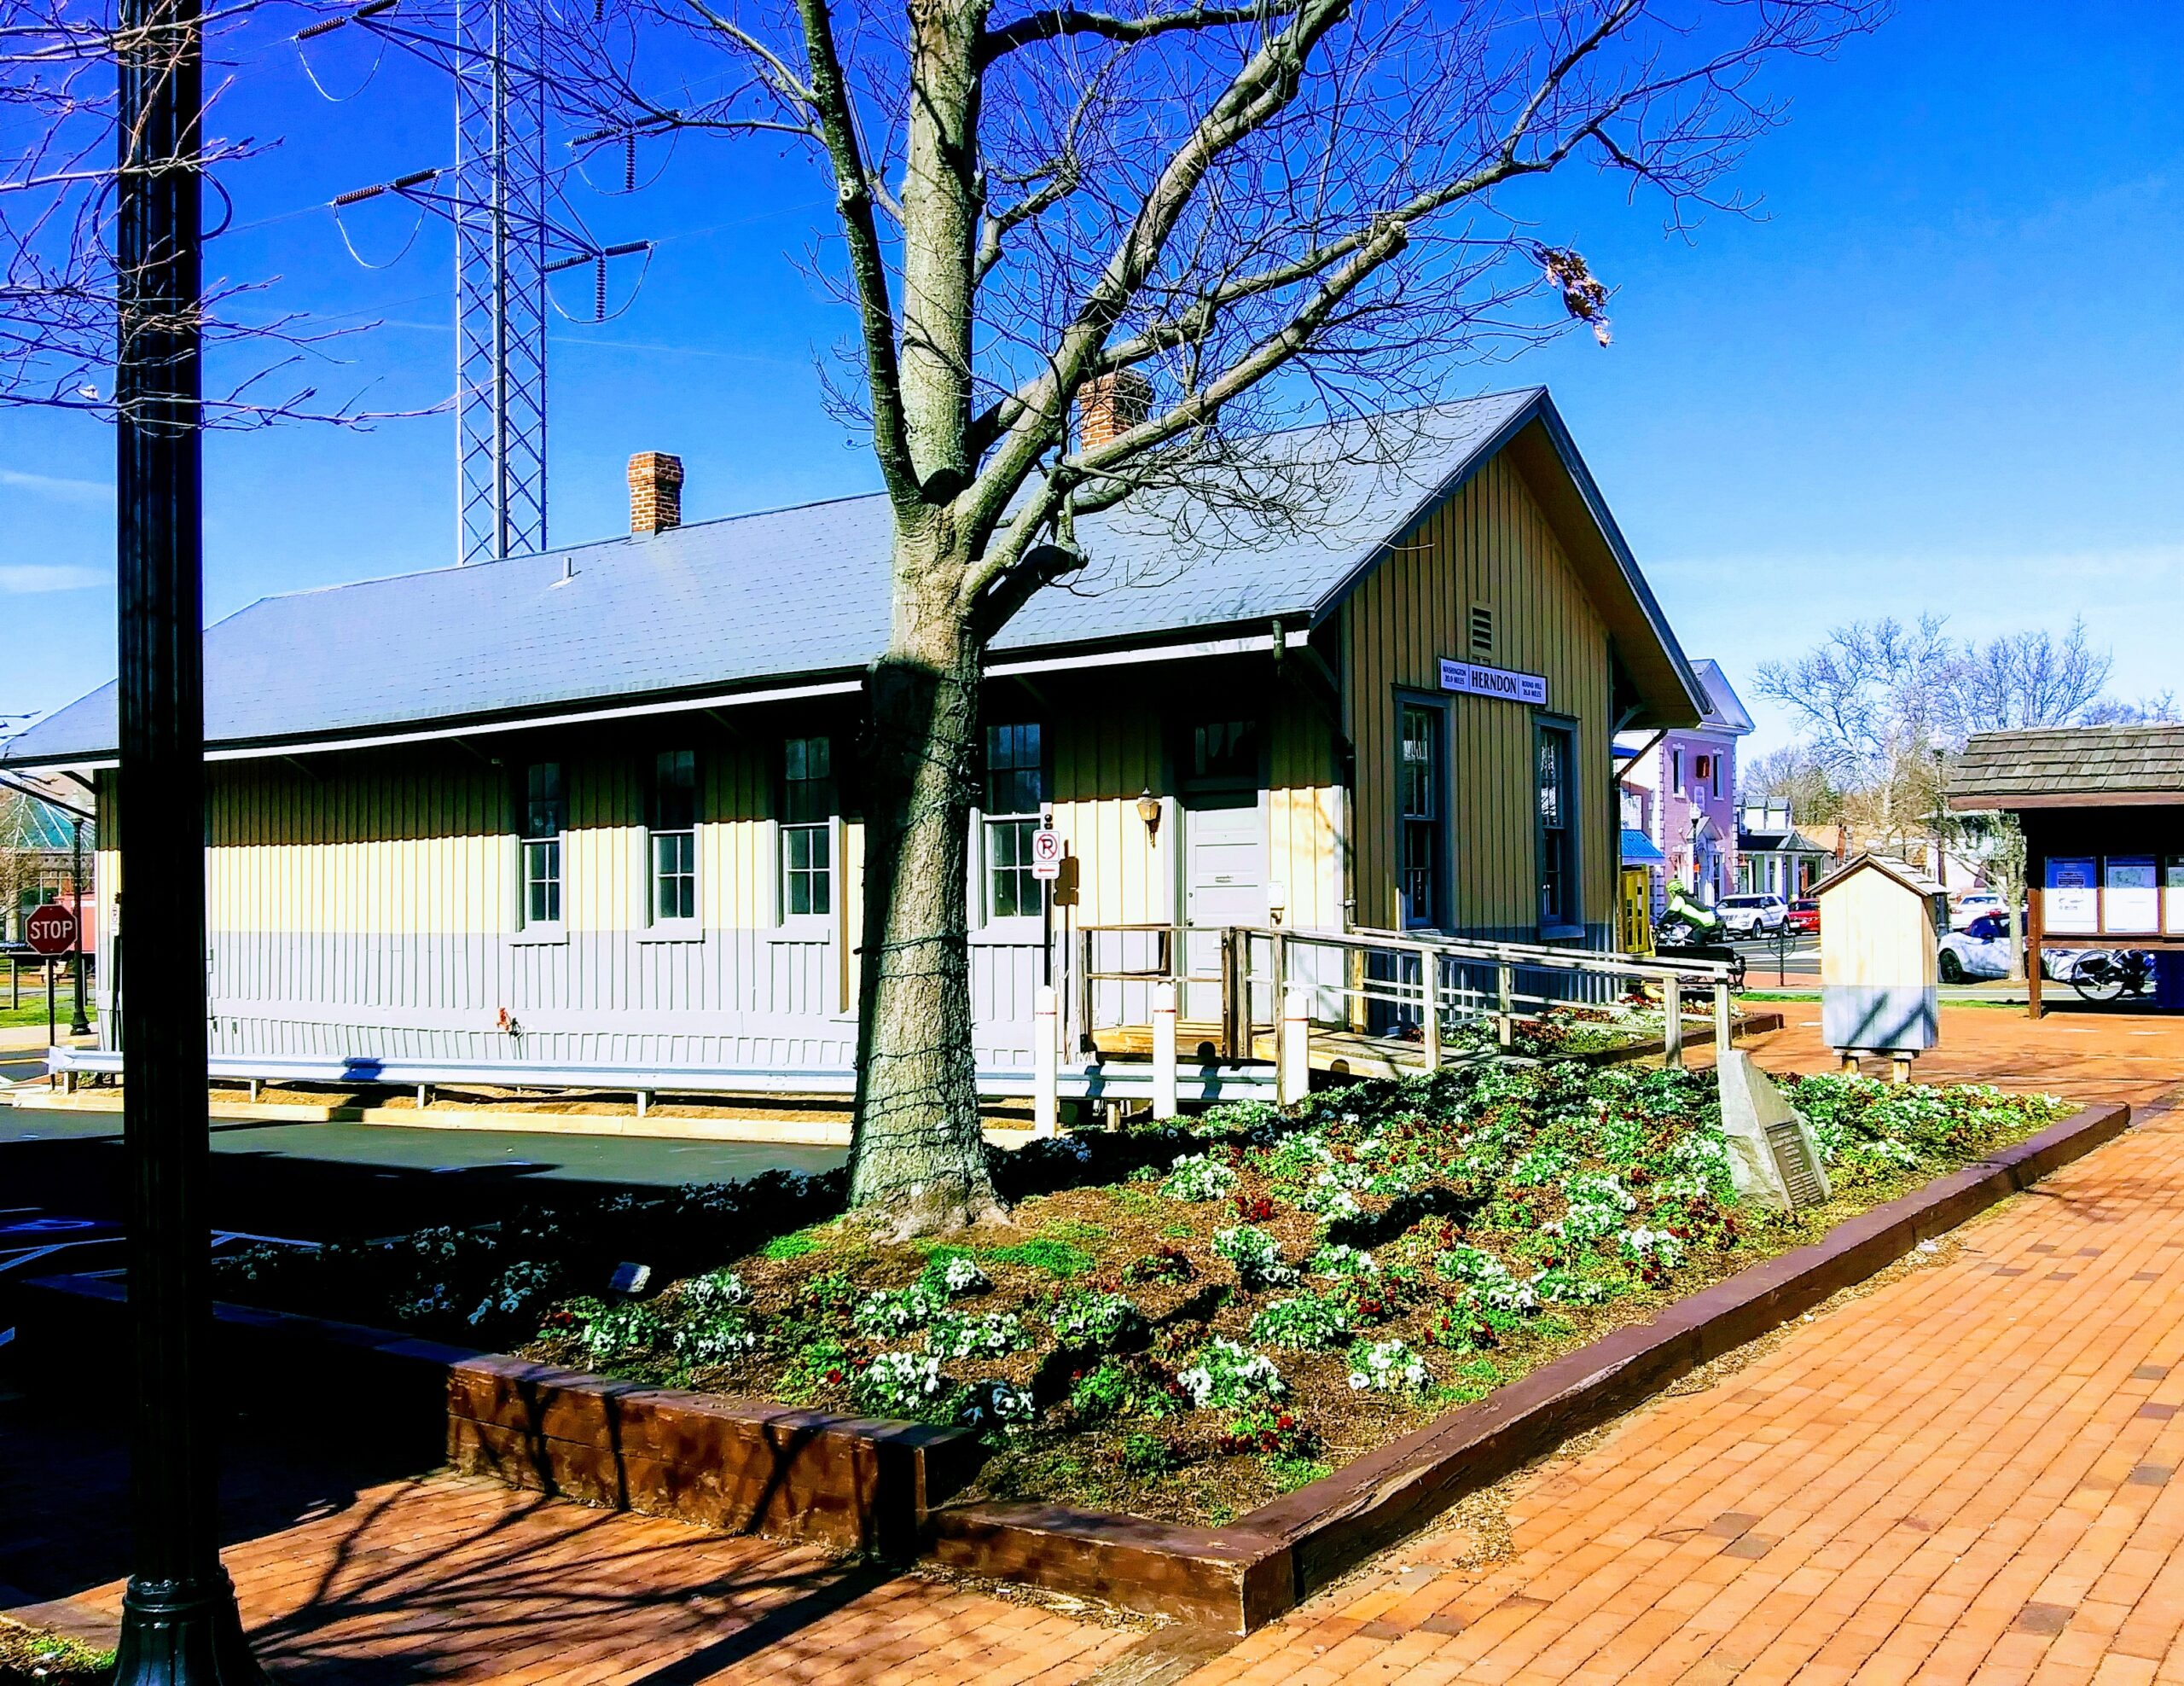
(1646, 1245)
(1387, 1365)
(898, 1382)
(995, 1401)
(1197, 1177)
(715, 1291)
(1338, 1260)
(962, 1275)
(951, 1336)
(1227, 1374)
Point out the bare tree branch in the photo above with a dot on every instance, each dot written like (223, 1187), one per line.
(1067, 20)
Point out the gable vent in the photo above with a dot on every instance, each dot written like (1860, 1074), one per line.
(1482, 629)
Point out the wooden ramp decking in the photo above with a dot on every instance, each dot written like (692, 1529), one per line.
(1341, 1053)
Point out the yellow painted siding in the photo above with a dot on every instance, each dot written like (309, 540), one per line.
(1110, 748)
(1304, 843)
(736, 887)
(1102, 758)
(1491, 544)
(423, 843)
(394, 845)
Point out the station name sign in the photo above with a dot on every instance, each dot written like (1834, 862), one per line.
(1474, 680)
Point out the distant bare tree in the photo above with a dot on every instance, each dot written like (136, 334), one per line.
(1882, 706)
(2029, 678)
(1216, 215)
(1792, 774)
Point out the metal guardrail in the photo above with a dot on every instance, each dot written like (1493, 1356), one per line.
(1402, 979)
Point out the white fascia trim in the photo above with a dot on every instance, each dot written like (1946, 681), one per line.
(1250, 643)
(489, 728)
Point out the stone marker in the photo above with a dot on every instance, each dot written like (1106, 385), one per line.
(1773, 1158)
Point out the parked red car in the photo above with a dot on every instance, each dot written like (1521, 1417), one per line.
(1805, 917)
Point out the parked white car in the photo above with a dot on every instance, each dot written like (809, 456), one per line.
(1982, 950)
(1753, 915)
(1972, 905)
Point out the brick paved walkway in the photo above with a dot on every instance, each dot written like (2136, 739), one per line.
(2084, 1055)
(454, 1578)
(1964, 1474)
(1970, 1474)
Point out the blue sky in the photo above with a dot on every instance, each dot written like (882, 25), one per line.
(1942, 372)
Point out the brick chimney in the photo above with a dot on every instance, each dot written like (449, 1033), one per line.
(655, 491)
(1110, 404)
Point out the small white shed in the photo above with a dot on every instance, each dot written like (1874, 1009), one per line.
(1881, 927)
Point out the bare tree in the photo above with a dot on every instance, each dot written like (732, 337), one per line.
(1212, 215)
(1883, 706)
(1794, 775)
(2029, 678)
(60, 161)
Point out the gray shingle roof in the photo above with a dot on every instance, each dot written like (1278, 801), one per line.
(788, 595)
(2055, 766)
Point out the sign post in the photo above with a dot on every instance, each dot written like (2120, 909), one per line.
(1046, 867)
(50, 930)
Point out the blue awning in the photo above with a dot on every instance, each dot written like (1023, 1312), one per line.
(1640, 850)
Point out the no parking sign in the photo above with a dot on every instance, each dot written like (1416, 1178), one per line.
(1046, 853)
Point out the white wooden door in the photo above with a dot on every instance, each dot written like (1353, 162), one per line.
(1225, 883)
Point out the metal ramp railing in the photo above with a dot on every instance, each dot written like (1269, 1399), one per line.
(1364, 991)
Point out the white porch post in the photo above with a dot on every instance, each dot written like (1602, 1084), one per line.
(1293, 1068)
(1164, 1050)
(1046, 1060)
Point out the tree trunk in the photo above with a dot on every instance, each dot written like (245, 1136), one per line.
(917, 1153)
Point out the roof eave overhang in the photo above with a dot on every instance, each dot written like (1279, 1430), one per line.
(1256, 634)
(2011, 802)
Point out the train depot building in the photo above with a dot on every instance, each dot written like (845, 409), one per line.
(592, 815)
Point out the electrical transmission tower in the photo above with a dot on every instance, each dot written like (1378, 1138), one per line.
(514, 227)
(500, 281)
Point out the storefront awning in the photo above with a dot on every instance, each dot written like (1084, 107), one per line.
(1639, 850)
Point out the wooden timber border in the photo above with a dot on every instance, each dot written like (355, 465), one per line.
(883, 1487)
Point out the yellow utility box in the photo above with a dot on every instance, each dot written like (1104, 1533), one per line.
(1880, 926)
(1633, 912)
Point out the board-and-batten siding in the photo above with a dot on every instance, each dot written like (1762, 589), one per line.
(371, 907)
(1107, 753)
(1492, 545)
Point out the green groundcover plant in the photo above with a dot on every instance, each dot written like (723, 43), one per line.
(31, 1656)
(1193, 1317)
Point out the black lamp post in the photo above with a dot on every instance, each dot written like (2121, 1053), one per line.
(179, 1624)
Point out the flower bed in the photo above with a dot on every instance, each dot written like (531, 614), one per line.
(1637, 1023)
(1186, 1321)
(1190, 1322)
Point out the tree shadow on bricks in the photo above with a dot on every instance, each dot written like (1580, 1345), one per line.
(445, 1578)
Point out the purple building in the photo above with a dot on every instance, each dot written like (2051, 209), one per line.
(1680, 796)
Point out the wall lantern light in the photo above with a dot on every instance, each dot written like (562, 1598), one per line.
(1148, 810)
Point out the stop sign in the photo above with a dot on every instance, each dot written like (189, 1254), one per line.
(51, 928)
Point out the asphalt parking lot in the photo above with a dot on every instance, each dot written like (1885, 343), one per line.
(324, 1180)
